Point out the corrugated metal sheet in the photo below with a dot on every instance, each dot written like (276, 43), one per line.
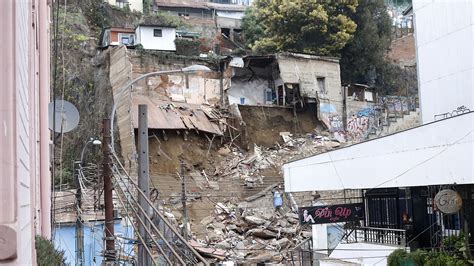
(174, 115)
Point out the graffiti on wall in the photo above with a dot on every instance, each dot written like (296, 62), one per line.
(396, 104)
(335, 123)
(359, 123)
(459, 111)
(330, 117)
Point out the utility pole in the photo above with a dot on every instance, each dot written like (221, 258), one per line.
(79, 228)
(108, 188)
(183, 200)
(143, 179)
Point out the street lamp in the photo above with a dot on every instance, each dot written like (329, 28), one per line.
(79, 229)
(94, 142)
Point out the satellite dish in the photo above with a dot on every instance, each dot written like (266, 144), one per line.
(67, 116)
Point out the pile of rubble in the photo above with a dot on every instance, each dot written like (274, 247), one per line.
(249, 167)
(238, 234)
(243, 230)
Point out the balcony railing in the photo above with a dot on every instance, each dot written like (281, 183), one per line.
(385, 236)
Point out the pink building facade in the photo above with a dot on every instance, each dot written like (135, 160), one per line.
(25, 179)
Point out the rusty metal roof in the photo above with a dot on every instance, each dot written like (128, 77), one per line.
(175, 115)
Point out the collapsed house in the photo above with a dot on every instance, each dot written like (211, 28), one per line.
(302, 83)
(287, 79)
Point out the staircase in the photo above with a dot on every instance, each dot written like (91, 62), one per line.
(394, 122)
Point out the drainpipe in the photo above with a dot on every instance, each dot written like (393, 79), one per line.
(294, 205)
(44, 93)
(221, 84)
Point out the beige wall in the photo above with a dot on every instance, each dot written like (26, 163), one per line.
(202, 88)
(24, 172)
(306, 71)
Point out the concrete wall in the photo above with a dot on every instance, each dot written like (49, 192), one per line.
(200, 88)
(136, 5)
(228, 22)
(252, 91)
(146, 38)
(305, 71)
(120, 72)
(24, 172)
(444, 42)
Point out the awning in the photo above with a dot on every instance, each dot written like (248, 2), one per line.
(437, 153)
(176, 115)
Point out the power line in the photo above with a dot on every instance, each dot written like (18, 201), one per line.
(379, 154)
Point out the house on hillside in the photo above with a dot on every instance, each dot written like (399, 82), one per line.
(209, 18)
(156, 37)
(117, 36)
(136, 5)
(228, 18)
(184, 8)
(289, 79)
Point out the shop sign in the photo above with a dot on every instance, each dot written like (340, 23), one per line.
(448, 201)
(331, 213)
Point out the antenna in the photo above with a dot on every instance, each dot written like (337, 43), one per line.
(67, 116)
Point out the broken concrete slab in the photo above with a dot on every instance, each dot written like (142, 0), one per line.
(262, 233)
(254, 220)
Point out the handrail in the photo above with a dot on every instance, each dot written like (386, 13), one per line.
(380, 229)
(160, 215)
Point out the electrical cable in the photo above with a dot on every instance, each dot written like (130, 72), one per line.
(162, 218)
(138, 234)
(381, 154)
(151, 223)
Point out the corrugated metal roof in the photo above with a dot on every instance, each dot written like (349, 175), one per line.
(175, 115)
(227, 7)
(182, 3)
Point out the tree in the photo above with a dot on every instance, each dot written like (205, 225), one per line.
(252, 31)
(309, 26)
(363, 58)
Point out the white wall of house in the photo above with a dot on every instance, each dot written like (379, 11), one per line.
(248, 92)
(146, 37)
(444, 33)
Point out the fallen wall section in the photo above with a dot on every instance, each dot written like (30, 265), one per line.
(120, 74)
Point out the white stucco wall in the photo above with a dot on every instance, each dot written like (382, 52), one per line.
(444, 32)
(146, 38)
(437, 153)
(252, 91)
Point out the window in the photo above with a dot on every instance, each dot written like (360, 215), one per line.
(157, 33)
(268, 96)
(125, 40)
(321, 85)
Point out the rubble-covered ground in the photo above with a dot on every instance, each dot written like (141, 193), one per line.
(229, 193)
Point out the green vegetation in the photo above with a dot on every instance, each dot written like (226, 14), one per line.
(252, 31)
(309, 26)
(452, 253)
(164, 19)
(47, 254)
(187, 47)
(363, 58)
(359, 32)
